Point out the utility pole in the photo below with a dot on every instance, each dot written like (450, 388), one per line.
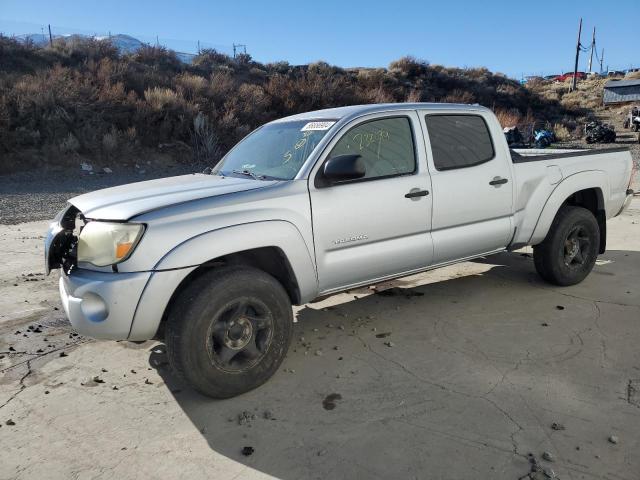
(575, 68)
(198, 47)
(50, 37)
(601, 59)
(593, 46)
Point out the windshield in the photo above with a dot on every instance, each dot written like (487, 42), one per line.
(275, 151)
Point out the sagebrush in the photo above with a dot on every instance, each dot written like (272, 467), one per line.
(82, 99)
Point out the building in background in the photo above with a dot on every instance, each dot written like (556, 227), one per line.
(621, 91)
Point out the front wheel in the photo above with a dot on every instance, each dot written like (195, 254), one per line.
(568, 253)
(229, 330)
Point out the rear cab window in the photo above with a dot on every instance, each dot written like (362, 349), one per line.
(459, 141)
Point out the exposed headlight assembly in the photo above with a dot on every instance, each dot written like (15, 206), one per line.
(108, 243)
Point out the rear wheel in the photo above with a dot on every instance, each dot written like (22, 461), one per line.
(568, 253)
(229, 330)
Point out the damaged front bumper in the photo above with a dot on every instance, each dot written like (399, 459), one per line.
(102, 304)
(99, 304)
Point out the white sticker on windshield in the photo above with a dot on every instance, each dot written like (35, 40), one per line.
(317, 126)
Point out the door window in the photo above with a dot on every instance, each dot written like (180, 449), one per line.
(459, 141)
(386, 146)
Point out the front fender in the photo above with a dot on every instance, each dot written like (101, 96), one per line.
(184, 258)
(566, 188)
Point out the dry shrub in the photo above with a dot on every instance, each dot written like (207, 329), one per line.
(379, 95)
(508, 118)
(159, 98)
(561, 132)
(206, 147)
(414, 96)
(281, 67)
(408, 66)
(158, 57)
(83, 97)
(209, 58)
(70, 144)
(190, 86)
(76, 49)
(110, 142)
(459, 96)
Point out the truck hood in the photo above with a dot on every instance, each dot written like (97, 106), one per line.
(126, 201)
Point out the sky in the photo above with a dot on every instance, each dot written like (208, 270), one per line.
(513, 37)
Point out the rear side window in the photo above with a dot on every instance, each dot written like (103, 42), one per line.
(459, 141)
(386, 146)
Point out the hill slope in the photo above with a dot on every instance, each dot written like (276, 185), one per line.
(85, 100)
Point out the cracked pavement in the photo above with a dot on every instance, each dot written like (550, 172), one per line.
(482, 358)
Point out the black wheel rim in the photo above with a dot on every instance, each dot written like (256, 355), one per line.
(576, 247)
(239, 336)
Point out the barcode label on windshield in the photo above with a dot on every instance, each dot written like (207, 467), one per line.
(317, 126)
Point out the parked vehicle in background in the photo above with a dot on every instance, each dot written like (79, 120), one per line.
(597, 132)
(513, 136)
(569, 75)
(633, 119)
(311, 205)
(543, 138)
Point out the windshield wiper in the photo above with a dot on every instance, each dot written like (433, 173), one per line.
(249, 174)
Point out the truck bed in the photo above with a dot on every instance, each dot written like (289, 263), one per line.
(545, 178)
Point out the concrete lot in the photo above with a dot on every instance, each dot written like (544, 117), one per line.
(480, 360)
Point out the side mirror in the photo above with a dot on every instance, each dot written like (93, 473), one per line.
(343, 168)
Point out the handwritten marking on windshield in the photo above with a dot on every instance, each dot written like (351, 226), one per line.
(365, 140)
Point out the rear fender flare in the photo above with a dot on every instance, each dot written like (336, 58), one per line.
(566, 188)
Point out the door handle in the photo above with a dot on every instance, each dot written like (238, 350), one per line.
(498, 181)
(416, 193)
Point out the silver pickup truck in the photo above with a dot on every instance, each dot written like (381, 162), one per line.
(314, 204)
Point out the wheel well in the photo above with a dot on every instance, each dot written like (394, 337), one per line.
(593, 200)
(271, 260)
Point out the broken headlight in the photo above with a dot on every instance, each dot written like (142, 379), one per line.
(108, 243)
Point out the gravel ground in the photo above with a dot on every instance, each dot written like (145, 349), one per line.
(474, 371)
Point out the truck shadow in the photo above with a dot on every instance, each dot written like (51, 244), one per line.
(390, 385)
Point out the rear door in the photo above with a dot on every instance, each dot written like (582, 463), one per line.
(377, 226)
(472, 186)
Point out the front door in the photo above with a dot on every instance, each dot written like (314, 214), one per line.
(377, 226)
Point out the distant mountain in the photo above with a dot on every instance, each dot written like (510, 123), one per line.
(124, 43)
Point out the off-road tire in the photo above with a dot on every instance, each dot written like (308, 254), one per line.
(550, 255)
(193, 314)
